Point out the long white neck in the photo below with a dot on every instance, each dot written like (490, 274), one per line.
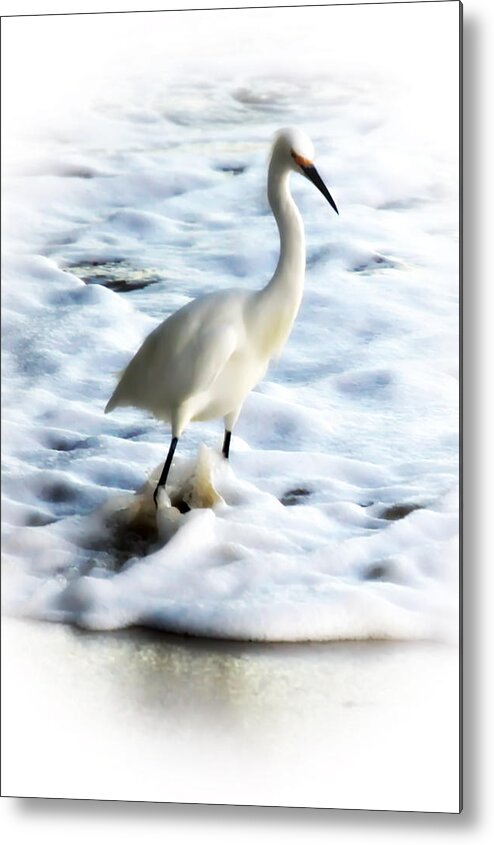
(290, 270)
(278, 303)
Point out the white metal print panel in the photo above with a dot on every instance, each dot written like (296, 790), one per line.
(237, 230)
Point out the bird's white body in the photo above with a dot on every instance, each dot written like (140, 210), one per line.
(203, 360)
(199, 364)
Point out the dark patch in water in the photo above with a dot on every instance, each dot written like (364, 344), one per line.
(379, 571)
(235, 170)
(123, 286)
(274, 99)
(401, 204)
(373, 263)
(78, 172)
(61, 444)
(61, 241)
(116, 275)
(97, 263)
(369, 383)
(293, 497)
(37, 519)
(181, 505)
(121, 542)
(57, 492)
(395, 512)
(318, 255)
(134, 433)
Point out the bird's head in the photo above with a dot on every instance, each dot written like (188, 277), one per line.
(294, 150)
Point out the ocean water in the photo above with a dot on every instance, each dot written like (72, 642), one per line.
(337, 516)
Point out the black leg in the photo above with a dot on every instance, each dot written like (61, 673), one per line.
(166, 469)
(226, 444)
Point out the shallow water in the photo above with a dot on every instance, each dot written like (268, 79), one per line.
(144, 716)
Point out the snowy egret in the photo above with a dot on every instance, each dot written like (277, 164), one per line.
(202, 361)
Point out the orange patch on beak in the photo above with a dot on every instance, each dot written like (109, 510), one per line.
(300, 160)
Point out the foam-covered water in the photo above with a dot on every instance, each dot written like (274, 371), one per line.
(338, 514)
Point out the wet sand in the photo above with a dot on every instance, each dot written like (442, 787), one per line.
(141, 715)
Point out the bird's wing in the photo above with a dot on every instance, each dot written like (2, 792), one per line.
(197, 365)
(181, 358)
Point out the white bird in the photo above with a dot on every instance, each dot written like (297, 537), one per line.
(202, 361)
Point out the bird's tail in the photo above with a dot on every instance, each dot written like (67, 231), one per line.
(111, 404)
(116, 396)
(114, 400)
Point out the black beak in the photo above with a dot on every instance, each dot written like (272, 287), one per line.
(312, 174)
